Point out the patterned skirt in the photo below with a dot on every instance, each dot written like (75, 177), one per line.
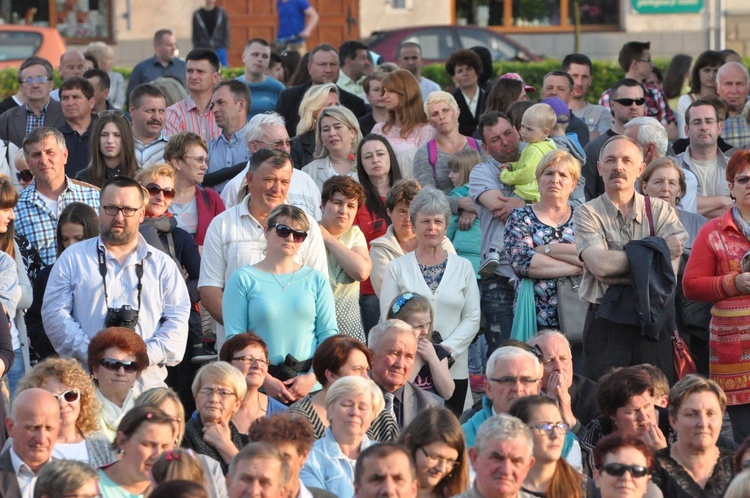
(729, 360)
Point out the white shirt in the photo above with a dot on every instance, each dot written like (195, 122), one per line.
(71, 451)
(473, 102)
(303, 491)
(26, 477)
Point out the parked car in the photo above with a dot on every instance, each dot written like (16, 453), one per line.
(438, 42)
(19, 42)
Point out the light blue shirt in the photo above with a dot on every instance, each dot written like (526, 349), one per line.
(264, 95)
(74, 306)
(225, 153)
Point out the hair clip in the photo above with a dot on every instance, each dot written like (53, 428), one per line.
(149, 415)
(172, 455)
(400, 301)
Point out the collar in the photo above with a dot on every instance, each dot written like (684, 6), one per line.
(721, 158)
(142, 250)
(303, 491)
(236, 136)
(44, 109)
(612, 210)
(344, 79)
(332, 448)
(157, 62)
(19, 466)
(160, 138)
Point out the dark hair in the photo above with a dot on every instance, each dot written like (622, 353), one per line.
(238, 343)
(373, 201)
(204, 54)
(624, 82)
(144, 90)
(630, 52)
(657, 72)
(344, 185)
(615, 389)
(298, 73)
(104, 79)
(348, 50)
(377, 76)
(379, 451)
(8, 200)
(121, 338)
(278, 158)
(699, 103)
(91, 59)
(274, 58)
(333, 353)
(613, 442)
(404, 190)
(562, 74)
(709, 58)
(77, 213)
(727, 52)
(137, 416)
(676, 74)
(281, 428)
(97, 168)
(78, 83)
(238, 89)
(261, 451)
(487, 70)
(464, 57)
(740, 453)
(503, 93)
(161, 33)
(179, 489)
(515, 111)
(739, 161)
(35, 61)
(576, 59)
(408, 44)
(259, 41)
(490, 119)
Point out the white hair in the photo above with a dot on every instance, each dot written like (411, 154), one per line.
(379, 331)
(650, 131)
(259, 123)
(545, 334)
(506, 353)
(504, 427)
(731, 65)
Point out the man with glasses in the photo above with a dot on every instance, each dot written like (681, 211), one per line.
(118, 280)
(77, 101)
(148, 107)
(35, 83)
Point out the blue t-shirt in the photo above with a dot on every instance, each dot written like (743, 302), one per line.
(291, 18)
(264, 95)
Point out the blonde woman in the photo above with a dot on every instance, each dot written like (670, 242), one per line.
(316, 99)
(105, 58)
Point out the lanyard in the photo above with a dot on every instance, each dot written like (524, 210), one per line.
(103, 273)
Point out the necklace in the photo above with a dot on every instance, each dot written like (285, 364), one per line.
(283, 287)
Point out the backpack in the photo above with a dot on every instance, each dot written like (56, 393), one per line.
(432, 152)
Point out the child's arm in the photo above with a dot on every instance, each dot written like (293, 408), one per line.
(523, 171)
(441, 375)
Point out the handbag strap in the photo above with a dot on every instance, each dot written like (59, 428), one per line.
(650, 216)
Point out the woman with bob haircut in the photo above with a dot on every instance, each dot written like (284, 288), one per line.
(465, 67)
(336, 357)
(317, 98)
(623, 464)
(337, 137)
(436, 443)
(112, 149)
(702, 85)
(65, 478)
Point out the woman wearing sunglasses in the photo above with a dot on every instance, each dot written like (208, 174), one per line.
(623, 467)
(116, 357)
(79, 437)
(112, 149)
(288, 305)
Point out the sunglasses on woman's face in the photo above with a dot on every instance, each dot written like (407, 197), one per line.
(619, 469)
(69, 396)
(25, 175)
(283, 231)
(115, 365)
(154, 189)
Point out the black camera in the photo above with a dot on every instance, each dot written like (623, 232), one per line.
(121, 317)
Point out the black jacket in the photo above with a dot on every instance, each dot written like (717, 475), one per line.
(467, 123)
(291, 98)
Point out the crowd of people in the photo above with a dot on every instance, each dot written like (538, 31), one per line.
(333, 278)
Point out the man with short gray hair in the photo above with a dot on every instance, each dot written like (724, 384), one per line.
(732, 86)
(258, 470)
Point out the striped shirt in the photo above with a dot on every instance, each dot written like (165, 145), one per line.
(150, 153)
(185, 116)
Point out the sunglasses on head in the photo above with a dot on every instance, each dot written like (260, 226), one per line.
(619, 469)
(115, 365)
(69, 396)
(154, 189)
(629, 102)
(283, 231)
(25, 175)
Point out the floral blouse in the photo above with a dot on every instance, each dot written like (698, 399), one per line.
(523, 232)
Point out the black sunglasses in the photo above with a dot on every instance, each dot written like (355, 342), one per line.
(154, 189)
(25, 175)
(115, 365)
(629, 102)
(618, 469)
(283, 231)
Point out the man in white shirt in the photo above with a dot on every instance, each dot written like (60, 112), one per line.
(409, 57)
(34, 425)
(352, 59)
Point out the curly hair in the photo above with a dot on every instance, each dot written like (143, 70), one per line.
(281, 428)
(69, 372)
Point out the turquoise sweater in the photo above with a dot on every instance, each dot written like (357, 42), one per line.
(466, 242)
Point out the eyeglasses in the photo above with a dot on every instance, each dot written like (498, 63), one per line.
(115, 365)
(223, 393)
(154, 189)
(433, 460)
(111, 112)
(511, 381)
(25, 175)
(198, 159)
(619, 469)
(549, 428)
(647, 59)
(742, 180)
(251, 360)
(35, 79)
(127, 212)
(69, 396)
(629, 102)
(283, 231)
(279, 144)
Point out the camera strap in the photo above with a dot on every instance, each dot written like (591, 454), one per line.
(103, 273)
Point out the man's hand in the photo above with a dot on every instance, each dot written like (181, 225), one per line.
(466, 220)
(557, 389)
(507, 207)
(675, 246)
(654, 438)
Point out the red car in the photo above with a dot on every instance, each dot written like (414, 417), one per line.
(19, 42)
(438, 42)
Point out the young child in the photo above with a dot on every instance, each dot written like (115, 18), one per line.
(431, 370)
(568, 141)
(466, 242)
(536, 125)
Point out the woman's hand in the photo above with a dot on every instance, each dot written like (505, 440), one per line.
(654, 437)
(742, 281)
(300, 386)
(277, 390)
(218, 435)
(426, 350)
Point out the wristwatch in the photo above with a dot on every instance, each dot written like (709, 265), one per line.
(547, 249)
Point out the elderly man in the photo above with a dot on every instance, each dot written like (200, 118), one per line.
(77, 101)
(560, 84)
(118, 280)
(385, 470)
(394, 346)
(259, 470)
(605, 229)
(596, 117)
(34, 425)
(72, 65)
(35, 83)
(148, 107)
(163, 63)
(265, 90)
(732, 87)
(501, 459)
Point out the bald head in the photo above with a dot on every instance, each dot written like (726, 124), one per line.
(34, 425)
(72, 64)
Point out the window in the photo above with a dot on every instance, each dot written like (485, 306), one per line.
(500, 50)
(78, 21)
(554, 15)
(18, 45)
(436, 43)
(398, 4)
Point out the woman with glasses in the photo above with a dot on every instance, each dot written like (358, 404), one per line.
(219, 389)
(249, 354)
(437, 445)
(623, 466)
(193, 206)
(67, 479)
(288, 305)
(551, 476)
(79, 437)
(694, 465)
(116, 357)
(112, 149)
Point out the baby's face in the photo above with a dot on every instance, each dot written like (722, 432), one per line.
(531, 132)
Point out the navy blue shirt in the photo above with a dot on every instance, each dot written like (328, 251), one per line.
(150, 69)
(79, 148)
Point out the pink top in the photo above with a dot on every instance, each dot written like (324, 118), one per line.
(418, 137)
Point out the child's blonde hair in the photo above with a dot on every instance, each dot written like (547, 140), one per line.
(542, 115)
(464, 161)
(19, 159)
(409, 302)
(178, 464)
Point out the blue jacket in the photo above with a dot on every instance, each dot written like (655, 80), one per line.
(328, 468)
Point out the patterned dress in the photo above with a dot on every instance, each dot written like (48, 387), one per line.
(346, 289)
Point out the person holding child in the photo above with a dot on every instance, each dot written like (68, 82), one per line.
(536, 125)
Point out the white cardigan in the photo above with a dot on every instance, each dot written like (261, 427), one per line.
(455, 302)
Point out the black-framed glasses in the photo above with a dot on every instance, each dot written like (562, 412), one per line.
(278, 144)
(283, 231)
(251, 360)
(69, 396)
(629, 102)
(35, 79)
(549, 428)
(111, 112)
(114, 365)
(619, 469)
(25, 175)
(433, 460)
(154, 189)
(510, 380)
(127, 212)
